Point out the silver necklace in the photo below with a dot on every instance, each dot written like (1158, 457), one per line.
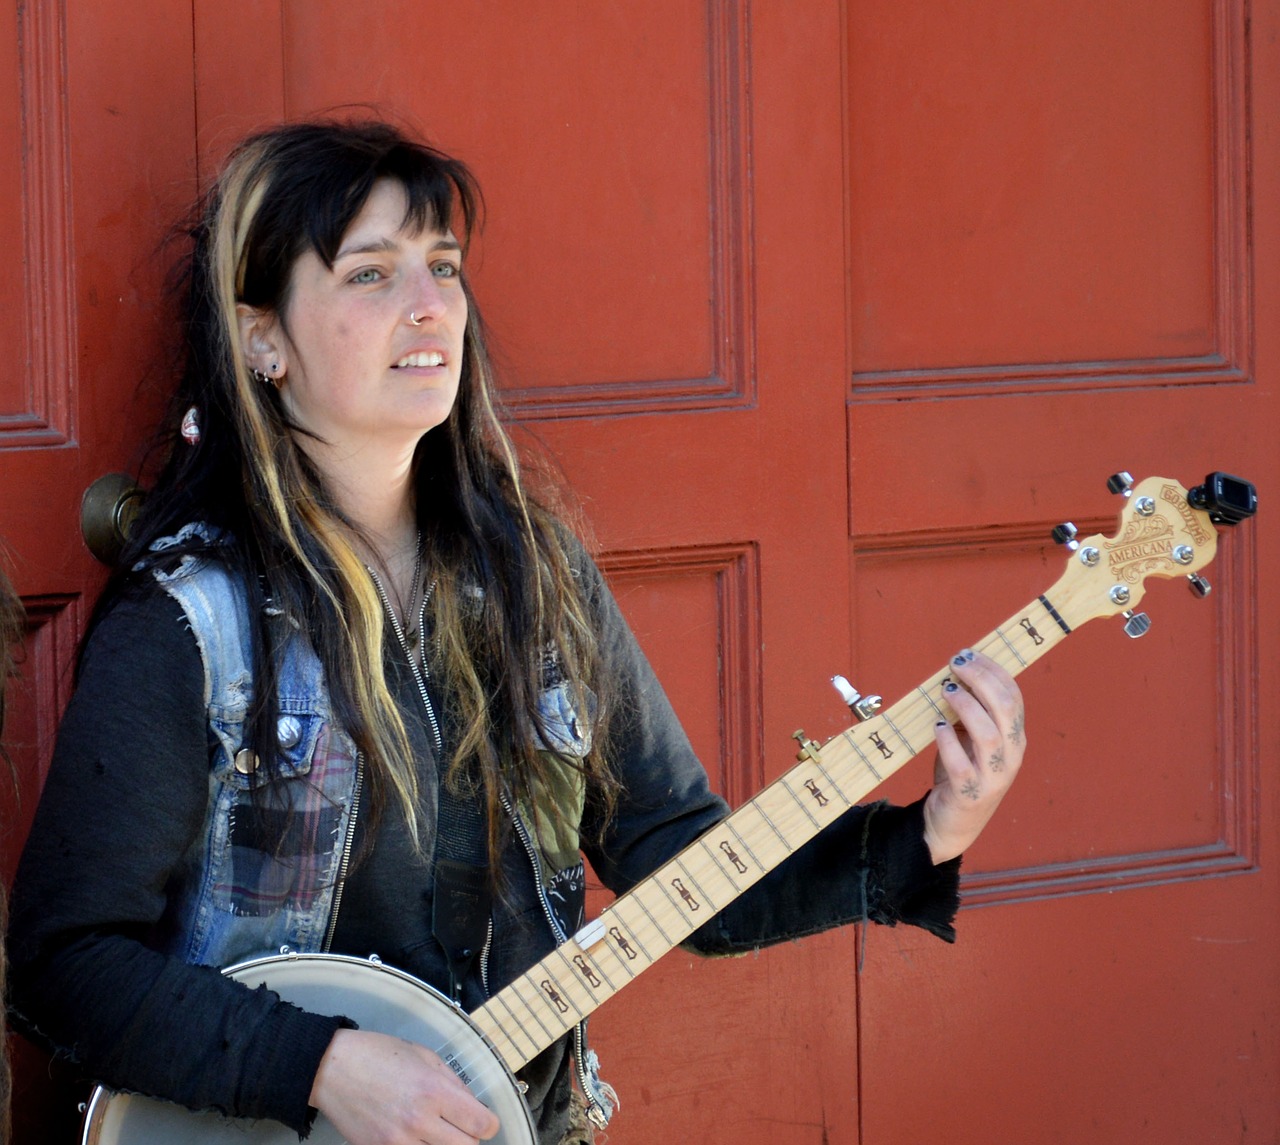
(409, 618)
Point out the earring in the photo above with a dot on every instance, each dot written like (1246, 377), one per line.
(414, 320)
(191, 426)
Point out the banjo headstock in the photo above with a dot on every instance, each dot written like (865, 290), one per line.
(1164, 531)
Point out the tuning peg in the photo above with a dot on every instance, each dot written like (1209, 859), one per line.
(864, 707)
(1065, 534)
(1199, 586)
(1136, 624)
(1121, 483)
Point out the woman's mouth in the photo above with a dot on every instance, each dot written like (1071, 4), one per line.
(421, 358)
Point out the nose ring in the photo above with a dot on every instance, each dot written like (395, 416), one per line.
(414, 320)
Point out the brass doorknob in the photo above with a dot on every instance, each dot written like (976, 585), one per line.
(107, 512)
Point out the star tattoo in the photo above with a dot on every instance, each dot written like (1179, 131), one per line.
(1015, 732)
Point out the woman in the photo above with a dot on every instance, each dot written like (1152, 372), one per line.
(344, 622)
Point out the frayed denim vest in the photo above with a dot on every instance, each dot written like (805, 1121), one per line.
(274, 847)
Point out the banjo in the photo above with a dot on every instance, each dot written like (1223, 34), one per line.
(1164, 531)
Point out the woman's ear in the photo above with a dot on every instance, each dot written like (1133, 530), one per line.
(264, 345)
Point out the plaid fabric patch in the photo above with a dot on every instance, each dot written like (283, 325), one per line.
(284, 842)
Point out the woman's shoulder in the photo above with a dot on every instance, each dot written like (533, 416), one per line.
(142, 626)
(183, 583)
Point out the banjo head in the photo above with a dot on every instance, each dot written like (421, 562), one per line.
(374, 996)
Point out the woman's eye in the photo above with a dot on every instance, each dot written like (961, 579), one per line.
(446, 270)
(368, 274)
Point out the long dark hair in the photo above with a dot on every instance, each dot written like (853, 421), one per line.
(508, 598)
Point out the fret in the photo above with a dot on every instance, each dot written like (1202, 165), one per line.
(848, 738)
(626, 950)
(548, 999)
(589, 960)
(888, 719)
(571, 982)
(729, 823)
(760, 810)
(1009, 645)
(929, 700)
(503, 999)
(726, 856)
(707, 899)
(656, 925)
(799, 801)
(676, 884)
(500, 1038)
(628, 915)
(688, 900)
(832, 784)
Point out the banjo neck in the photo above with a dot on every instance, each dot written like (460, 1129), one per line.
(660, 912)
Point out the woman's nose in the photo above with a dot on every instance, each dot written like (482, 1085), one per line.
(427, 299)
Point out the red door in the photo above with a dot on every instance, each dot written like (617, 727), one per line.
(97, 130)
(830, 312)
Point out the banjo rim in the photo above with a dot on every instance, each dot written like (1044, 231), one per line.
(101, 1101)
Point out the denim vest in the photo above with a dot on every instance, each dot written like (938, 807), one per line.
(268, 868)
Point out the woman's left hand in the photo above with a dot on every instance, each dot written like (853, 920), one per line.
(979, 759)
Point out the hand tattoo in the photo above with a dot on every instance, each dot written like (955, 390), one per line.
(970, 789)
(997, 760)
(1015, 732)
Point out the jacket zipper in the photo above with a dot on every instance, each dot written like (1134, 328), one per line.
(484, 959)
(419, 674)
(345, 861)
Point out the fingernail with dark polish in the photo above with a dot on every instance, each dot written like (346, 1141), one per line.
(958, 659)
(940, 724)
(967, 654)
(951, 686)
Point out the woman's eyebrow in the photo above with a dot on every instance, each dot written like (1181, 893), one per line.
(373, 246)
(389, 245)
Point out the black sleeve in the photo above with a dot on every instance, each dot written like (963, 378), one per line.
(872, 863)
(124, 803)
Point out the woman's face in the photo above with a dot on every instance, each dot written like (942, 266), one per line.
(357, 372)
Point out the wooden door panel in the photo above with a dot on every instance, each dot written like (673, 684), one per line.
(606, 140)
(1051, 281)
(1094, 1017)
(1051, 190)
